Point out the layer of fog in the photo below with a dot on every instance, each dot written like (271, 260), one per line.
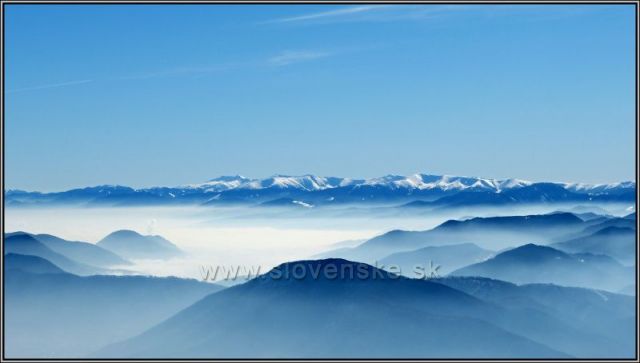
(243, 236)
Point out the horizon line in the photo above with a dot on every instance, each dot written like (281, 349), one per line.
(249, 179)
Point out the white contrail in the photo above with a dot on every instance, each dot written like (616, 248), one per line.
(328, 14)
(53, 85)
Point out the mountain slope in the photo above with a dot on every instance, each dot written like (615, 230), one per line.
(617, 242)
(63, 315)
(606, 319)
(493, 233)
(31, 264)
(324, 317)
(318, 190)
(25, 244)
(447, 258)
(533, 193)
(598, 225)
(83, 252)
(133, 245)
(541, 264)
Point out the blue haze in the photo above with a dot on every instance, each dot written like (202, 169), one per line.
(166, 95)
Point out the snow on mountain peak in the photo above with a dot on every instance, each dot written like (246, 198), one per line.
(220, 183)
(598, 188)
(227, 178)
(416, 181)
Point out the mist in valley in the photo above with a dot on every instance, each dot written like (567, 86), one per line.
(251, 236)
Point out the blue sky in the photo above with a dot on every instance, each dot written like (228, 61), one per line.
(145, 95)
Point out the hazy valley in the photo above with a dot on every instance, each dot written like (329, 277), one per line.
(546, 274)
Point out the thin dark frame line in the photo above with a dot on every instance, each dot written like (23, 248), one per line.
(302, 2)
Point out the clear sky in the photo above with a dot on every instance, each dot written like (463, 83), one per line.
(145, 95)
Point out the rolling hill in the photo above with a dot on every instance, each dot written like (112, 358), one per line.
(447, 258)
(617, 242)
(82, 252)
(542, 264)
(25, 244)
(31, 264)
(492, 233)
(364, 312)
(60, 315)
(133, 245)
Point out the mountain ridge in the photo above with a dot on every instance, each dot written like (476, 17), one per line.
(133, 245)
(331, 319)
(333, 190)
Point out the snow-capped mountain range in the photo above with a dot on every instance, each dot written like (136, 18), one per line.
(315, 183)
(311, 190)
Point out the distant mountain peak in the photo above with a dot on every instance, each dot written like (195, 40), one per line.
(332, 190)
(412, 181)
(326, 269)
(613, 230)
(21, 237)
(124, 233)
(531, 251)
(133, 245)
